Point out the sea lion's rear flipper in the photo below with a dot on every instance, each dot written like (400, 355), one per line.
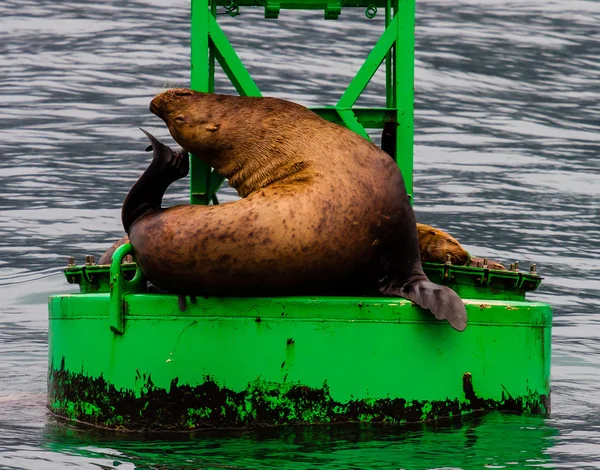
(166, 167)
(442, 301)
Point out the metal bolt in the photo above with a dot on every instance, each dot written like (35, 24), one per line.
(449, 259)
(516, 265)
(485, 263)
(532, 269)
(90, 260)
(128, 259)
(70, 261)
(512, 267)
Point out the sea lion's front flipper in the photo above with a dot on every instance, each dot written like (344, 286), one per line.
(174, 163)
(443, 302)
(166, 167)
(481, 262)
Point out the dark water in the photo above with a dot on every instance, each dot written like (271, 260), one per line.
(507, 143)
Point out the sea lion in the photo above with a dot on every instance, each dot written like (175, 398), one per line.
(324, 211)
(437, 246)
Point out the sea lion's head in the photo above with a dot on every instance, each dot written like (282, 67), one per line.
(437, 246)
(193, 118)
(239, 136)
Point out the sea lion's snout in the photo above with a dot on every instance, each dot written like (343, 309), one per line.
(166, 101)
(155, 106)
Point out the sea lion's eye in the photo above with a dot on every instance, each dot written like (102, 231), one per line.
(180, 119)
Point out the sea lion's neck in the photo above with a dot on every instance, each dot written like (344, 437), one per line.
(247, 175)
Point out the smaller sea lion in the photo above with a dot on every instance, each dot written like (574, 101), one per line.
(107, 255)
(491, 264)
(437, 246)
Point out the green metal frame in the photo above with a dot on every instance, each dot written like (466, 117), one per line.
(395, 47)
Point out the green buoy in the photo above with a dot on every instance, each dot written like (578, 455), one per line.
(124, 358)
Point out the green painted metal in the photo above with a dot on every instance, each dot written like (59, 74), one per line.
(470, 282)
(244, 362)
(395, 47)
(368, 117)
(404, 73)
(368, 69)
(121, 357)
(305, 4)
(120, 285)
(230, 62)
(351, 122)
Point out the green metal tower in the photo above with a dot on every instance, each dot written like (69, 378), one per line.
(395, 47)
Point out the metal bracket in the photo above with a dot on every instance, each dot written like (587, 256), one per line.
(119, 286)
(371, 11)
(332, 11)
(272, 10)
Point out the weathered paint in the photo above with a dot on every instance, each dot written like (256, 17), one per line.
(210, 406)
(228, 362)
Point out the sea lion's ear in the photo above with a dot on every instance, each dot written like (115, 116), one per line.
(211, 127)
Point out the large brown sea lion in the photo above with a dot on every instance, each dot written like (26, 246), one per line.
(324, 211)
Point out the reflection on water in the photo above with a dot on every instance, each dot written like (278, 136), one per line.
(494, 440)
(507, 140)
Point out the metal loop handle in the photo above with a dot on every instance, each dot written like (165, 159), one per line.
(371, 11)
(119, 286)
